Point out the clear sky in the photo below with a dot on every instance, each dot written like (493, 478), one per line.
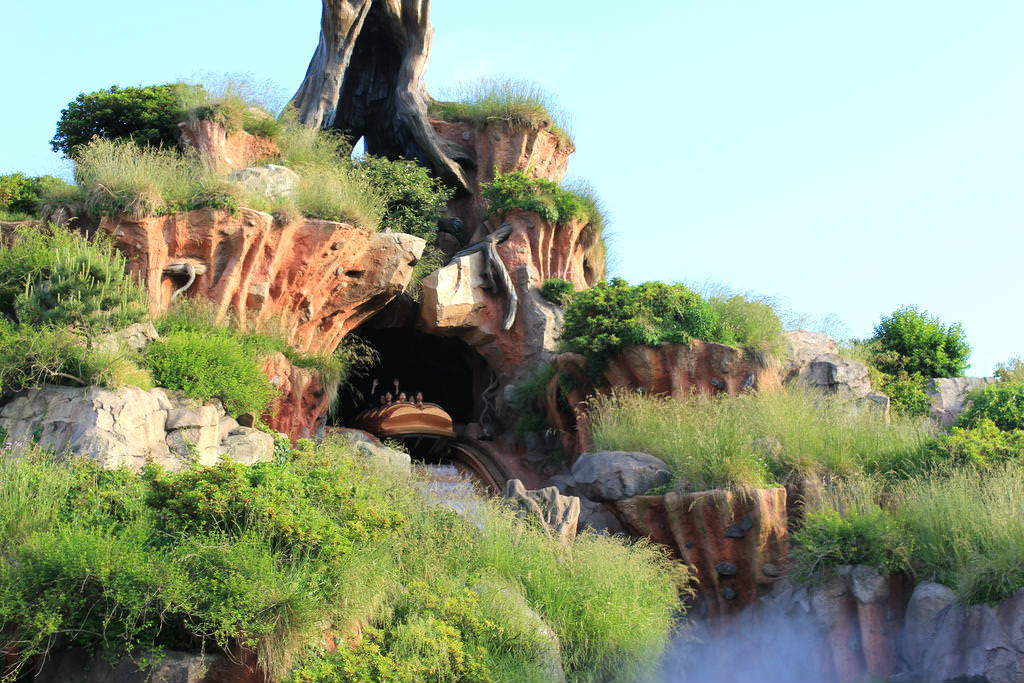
(846, 157)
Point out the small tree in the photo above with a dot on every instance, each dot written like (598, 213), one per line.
(147, 115)
(913, 342)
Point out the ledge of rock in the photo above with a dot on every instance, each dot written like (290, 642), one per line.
(616, 475)
(736, 543)
(130, 427)
(949, 396)
(226, 151)
(302, 401)
(320, 278)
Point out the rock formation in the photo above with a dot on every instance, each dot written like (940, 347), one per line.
(949, 396)
(736, 543)
(226, 151)
(130, 427)
(557, 514)
(318, 279)
(302, 400)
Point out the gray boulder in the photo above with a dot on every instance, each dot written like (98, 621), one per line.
(597, 518)
(928, 602)
(248, 446)
(557, 514)
(617, 475)
(949, 396)
(802, 347)
(270, 180)
(836, 375)
(384, 456)
(132, 338)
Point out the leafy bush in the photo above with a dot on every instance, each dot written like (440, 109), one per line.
(413, 198)
(205, 367)
(235, 102)
(1002, 404)
(557, 291)
(981, 446)
(917, 343)
(22, 197)
(487, 101)
(602, 320)
(148, 116)
(829, 539)
(518, 190)
(1011, 371)
(263, 557)
(908, 393)
(751, 321)
(119, 177)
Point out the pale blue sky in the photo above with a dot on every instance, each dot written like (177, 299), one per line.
(847, 157)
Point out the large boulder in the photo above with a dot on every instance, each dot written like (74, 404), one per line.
(928, 603)
(802, 347)
(834, 374)
(557, 514)
(949, 396)
(225, 151)
(130, 427)
(269, 180)
(616, 475)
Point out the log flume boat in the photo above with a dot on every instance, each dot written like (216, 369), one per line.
(406, 419)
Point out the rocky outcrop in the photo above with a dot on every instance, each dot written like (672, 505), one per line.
(557, 514)
(269, 180)
(944, 640)
(735, 543)
(802, 347)
(504, 149)
(676, 370)
(318, 279)
(949, 396)
(130, 427)
(226, 151)
(302, 401)
(616, 475)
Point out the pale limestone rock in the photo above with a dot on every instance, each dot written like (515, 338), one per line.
(557, 514)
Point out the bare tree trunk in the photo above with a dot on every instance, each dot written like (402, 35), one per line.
(366, 79)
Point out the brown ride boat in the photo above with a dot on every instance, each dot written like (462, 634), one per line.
(406, 419)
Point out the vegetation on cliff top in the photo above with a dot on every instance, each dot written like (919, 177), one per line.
(268, 557)
(488, 101)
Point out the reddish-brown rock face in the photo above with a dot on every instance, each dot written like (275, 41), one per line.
(226, 151)
(505, 149)
(318, 279)
(302, 400)
(735, 543)
(676, 370)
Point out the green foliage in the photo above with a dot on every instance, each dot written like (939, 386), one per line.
(148, 116)
(917, 343)
(234, 102)
(1011, 371)
(205, 367)
(529, 400)
(557, 291)
(751, 320)
(489, 101)
(118, 177)
(264, 557)
(981, 446)
(337, 193)
(1002, 404)
(23, 197)
(829, 539)
(519, 191)
(413, 198)
(602, 320)
(714, 442)
(908, 393)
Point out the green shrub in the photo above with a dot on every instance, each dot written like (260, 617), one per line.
(413, 198)
(235, 102)
(1011, 371)
(557, 291)
(337, 193)
(602, 320)
(118, 177)
(529, 400)
(1002, 404)
(981, 446)
(829, 539)
(488, 101)
(517, 190)
(205, 367)
(56, 276)
(751, 321)
(264, 557)
(148, 116)
(917, 343)
(908, 393)
(23, 197)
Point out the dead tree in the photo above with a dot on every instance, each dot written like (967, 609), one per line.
(366, 79)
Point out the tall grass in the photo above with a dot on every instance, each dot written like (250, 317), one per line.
(268, 556)
(485, 101)
(968, 529)
(119, 177)
(235, 101)
(337, 193)
(725, 442)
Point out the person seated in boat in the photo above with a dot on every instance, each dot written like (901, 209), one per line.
(383, 401)
(388, 399)
(419, 399)
(402, 398)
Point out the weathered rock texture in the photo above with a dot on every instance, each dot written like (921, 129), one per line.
(557, 514)
(130, 427)
(944, 640)
(501, 148)
(735, 543)
(676, 370)
(949, 396)
(319, 279)
(615, 475)
(226, 151)
(302, 402)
